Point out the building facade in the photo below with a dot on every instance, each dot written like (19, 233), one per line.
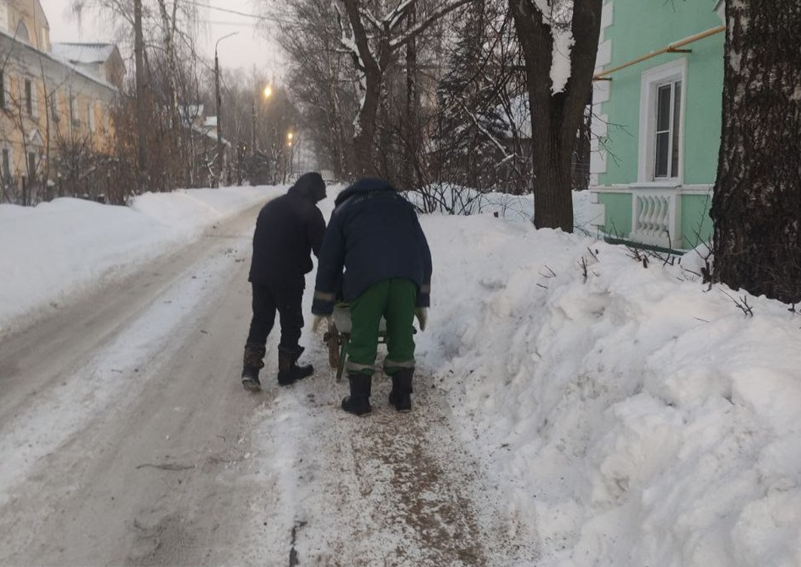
(657, 120)
(53, 99)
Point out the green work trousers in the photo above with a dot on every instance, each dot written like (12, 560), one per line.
(395, 300)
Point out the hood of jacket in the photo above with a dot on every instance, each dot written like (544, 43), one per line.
(366, 185)
(309, 185)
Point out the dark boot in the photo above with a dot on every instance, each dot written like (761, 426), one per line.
(252, 362)
(288, 370)
(400, 395)
(301, 371)
(358, 403)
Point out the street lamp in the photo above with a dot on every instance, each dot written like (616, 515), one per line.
(267, 93)
(219, 103)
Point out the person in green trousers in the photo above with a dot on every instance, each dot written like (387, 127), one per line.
(376, 257)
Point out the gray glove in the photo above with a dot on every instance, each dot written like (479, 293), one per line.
(422, 317)
(317, 320)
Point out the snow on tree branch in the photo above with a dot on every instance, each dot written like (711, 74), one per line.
(557, 16)
(395, 17)
(484, 131)
(371, 19)
(347, 41)
(425, 23)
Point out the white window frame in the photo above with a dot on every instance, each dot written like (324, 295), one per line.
(651, 80)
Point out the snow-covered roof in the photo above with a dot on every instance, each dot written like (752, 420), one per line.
(85, 53)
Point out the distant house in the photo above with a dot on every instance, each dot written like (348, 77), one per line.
(49, 96)
(657, 105)
(100, 60)
(203, 139)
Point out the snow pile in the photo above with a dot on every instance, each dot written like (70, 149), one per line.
(67, 246)
(636, 417)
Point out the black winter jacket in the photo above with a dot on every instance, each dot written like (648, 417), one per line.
(374, 234)
(288, 230)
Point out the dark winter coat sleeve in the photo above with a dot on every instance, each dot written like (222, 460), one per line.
(331, 260)
(316, 231)
(424, 294)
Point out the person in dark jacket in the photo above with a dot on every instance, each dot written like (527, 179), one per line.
(375, 236)
(288, 230)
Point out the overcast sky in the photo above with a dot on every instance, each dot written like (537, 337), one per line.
(221, 17)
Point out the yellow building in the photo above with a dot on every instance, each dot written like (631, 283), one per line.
(54, 98)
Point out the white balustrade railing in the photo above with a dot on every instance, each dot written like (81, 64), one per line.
(656, 216)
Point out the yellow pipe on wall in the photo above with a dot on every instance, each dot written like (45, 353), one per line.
(673, 47)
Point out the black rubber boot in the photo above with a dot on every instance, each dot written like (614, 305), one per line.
(250, 379)
(400, 395)
(358, 403)
(252, 362)
(288, 370)
(301, 371)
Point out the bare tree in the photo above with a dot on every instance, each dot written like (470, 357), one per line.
(373, 41)
(756, 204)
(163, 37)
(141, 92)
(563, 37)
(321, 80)
(481, 134)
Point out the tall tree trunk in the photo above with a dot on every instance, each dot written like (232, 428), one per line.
(364, 137)
(412, 171)
(169, 25)
(556, 116)
(756, 204)
(141, 89)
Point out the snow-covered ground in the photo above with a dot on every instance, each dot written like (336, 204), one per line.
(633, 416)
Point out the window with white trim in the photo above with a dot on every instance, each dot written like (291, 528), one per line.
(668, 111)
(662, 97)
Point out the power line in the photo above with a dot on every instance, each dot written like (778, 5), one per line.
(274, 19)
(240, 24)
(227, 11)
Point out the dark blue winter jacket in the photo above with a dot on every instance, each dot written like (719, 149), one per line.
(373, 235)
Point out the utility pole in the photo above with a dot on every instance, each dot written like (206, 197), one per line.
(253, 128)
(219, 159)
(141, 109)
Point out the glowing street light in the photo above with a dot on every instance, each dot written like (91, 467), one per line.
(267, 92)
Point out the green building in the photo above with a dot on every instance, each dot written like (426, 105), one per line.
(657, 120)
